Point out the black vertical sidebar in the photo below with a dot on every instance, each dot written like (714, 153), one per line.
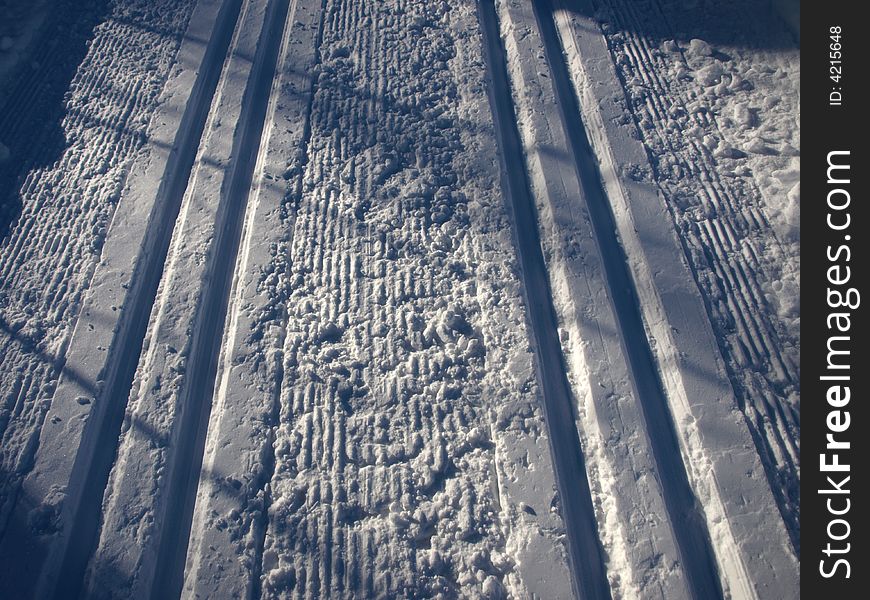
(834, 369)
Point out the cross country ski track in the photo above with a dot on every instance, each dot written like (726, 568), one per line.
(692, 536)
(586, 553)
(84, 532)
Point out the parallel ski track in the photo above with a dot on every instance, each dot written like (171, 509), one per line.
(576, 499)
(685, 512)
(84, 533)
(197, 395)
(728, 254)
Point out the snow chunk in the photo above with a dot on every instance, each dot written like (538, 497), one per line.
(493, 589)
(670, 46)
(699, 48)
(723, 150)
(710, 75)
(745, 116)
(475, 436)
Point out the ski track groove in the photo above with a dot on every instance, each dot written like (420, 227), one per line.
(118, 384)
(248, 395)
(674, 311)
(215, 199)
(586, 552)
(685, 511)
(203, 363)
(722, 249)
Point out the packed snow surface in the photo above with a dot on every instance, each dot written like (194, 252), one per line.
(399, 299)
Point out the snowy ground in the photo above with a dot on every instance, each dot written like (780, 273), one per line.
(320, 298)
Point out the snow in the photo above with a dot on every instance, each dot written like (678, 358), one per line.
(733, 216)
(318, 298)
